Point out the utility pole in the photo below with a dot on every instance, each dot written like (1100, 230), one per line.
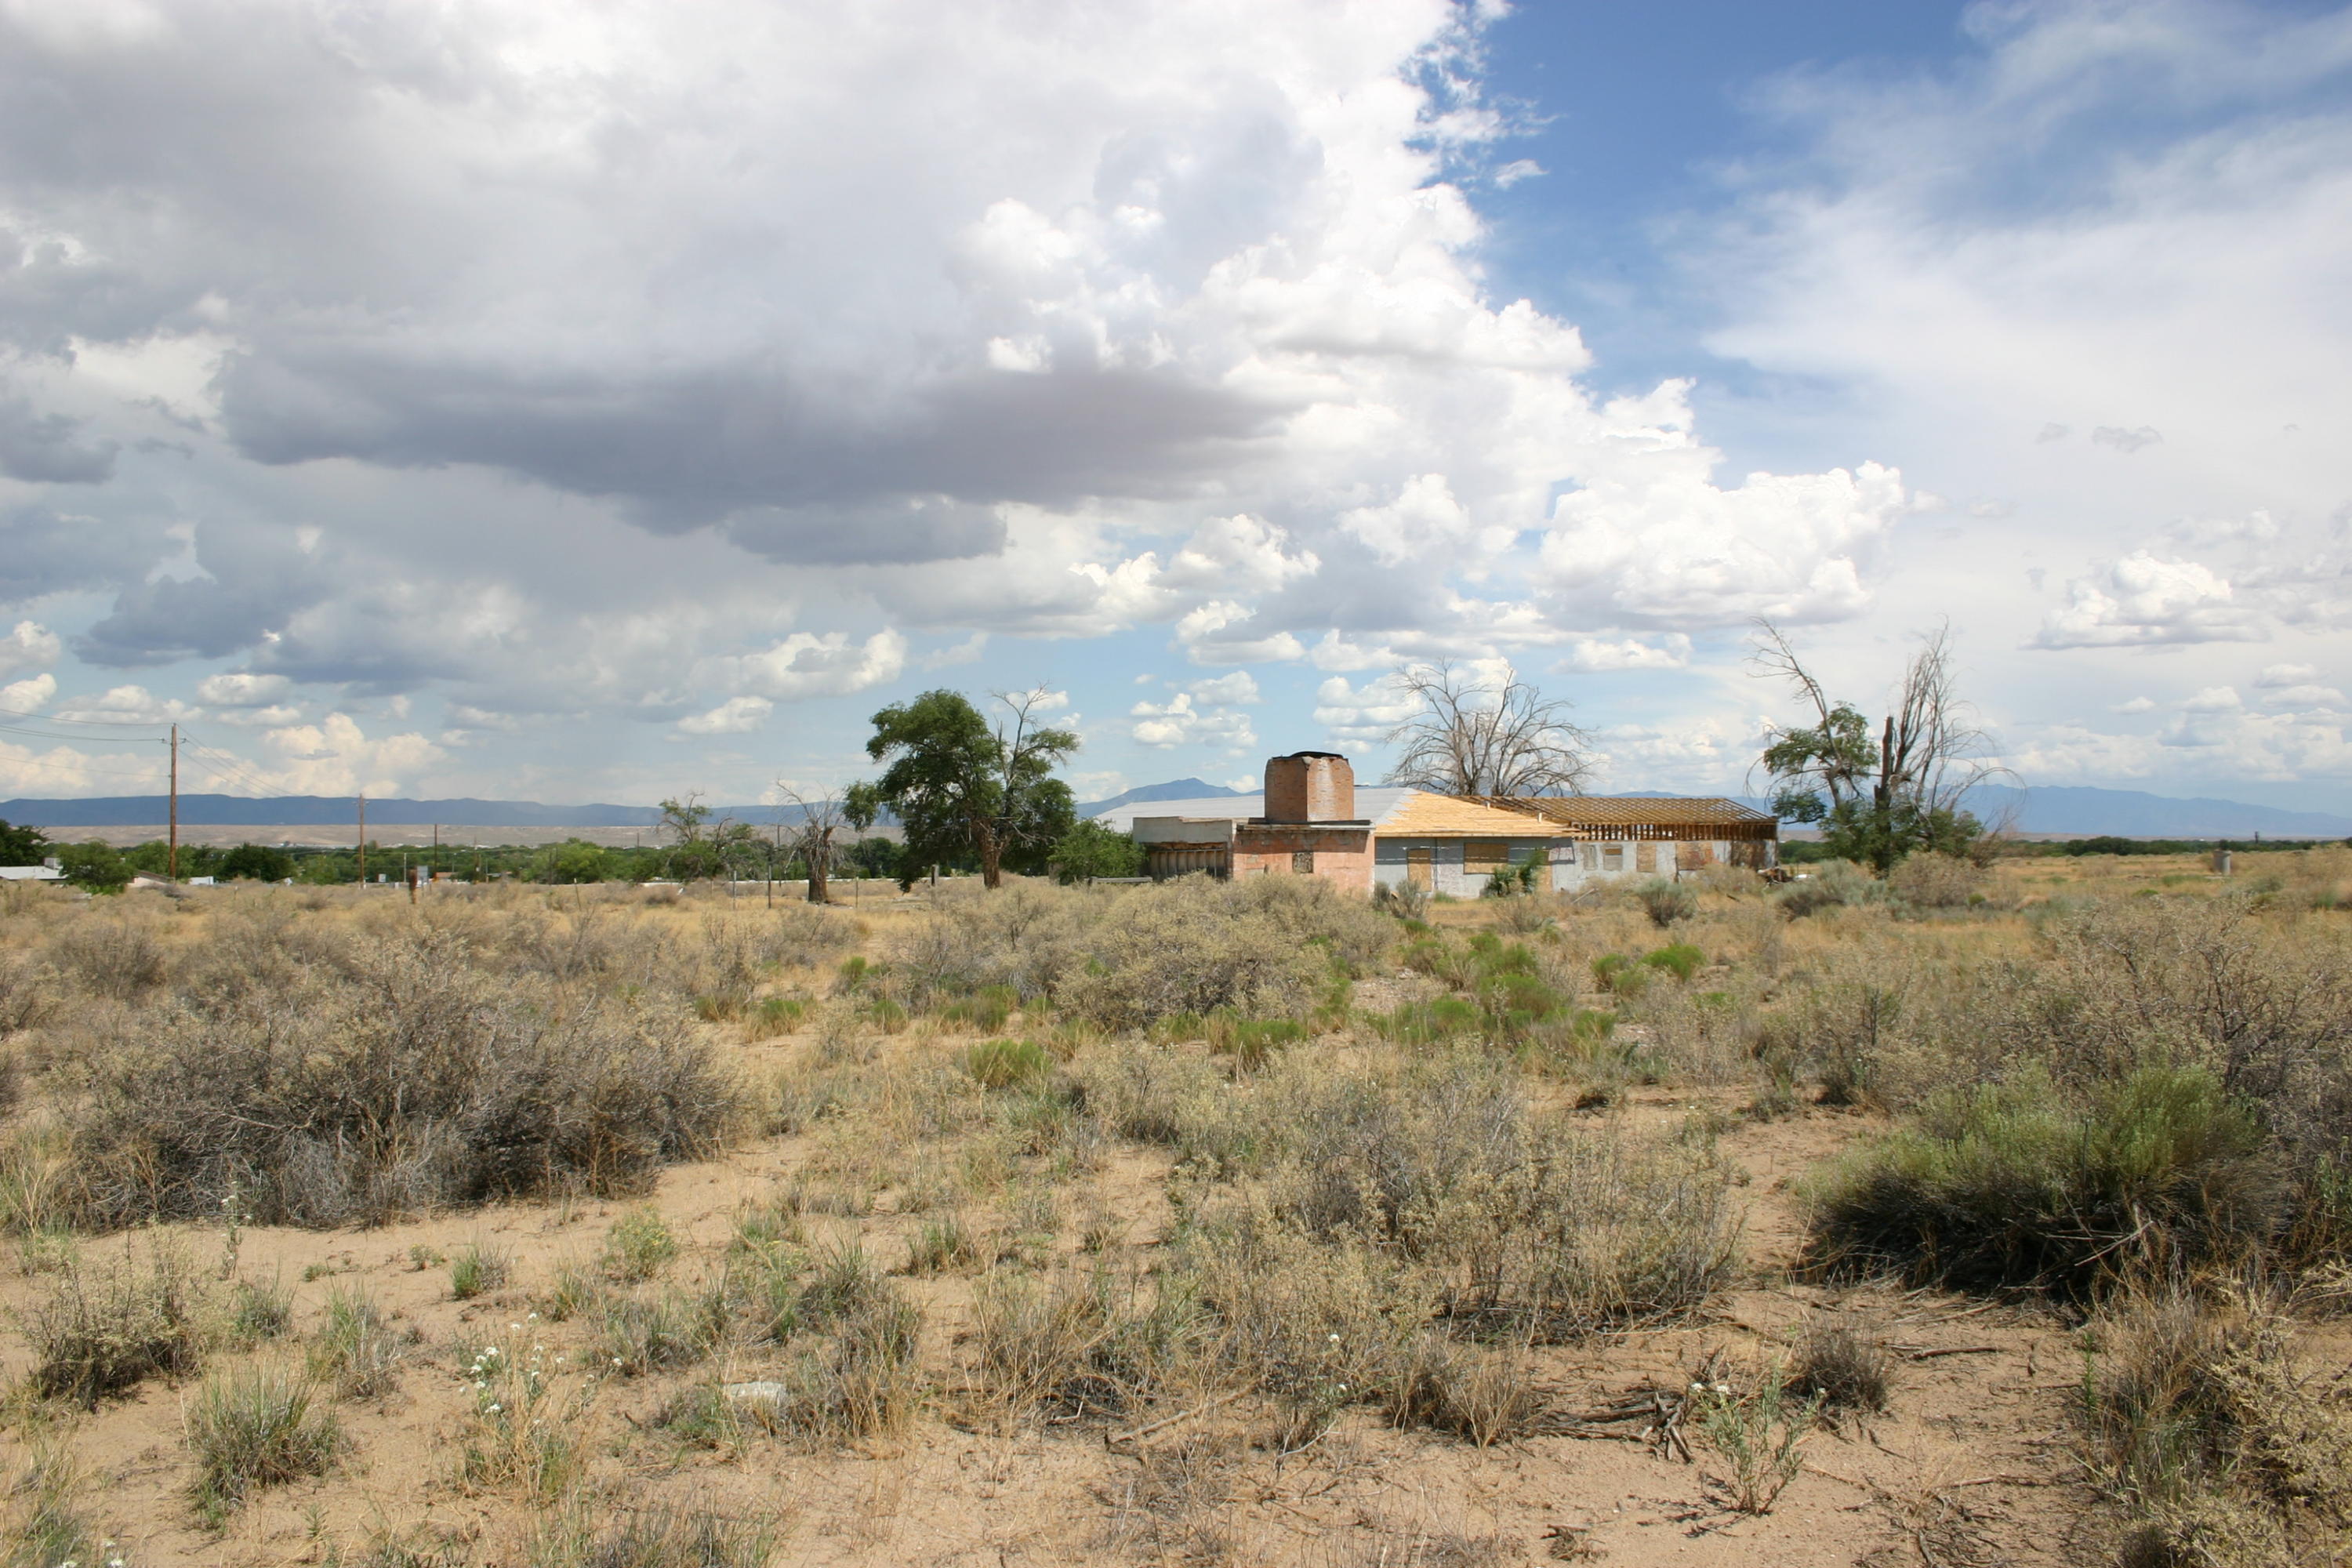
(362, 841)
(172, 856)
(436, 853)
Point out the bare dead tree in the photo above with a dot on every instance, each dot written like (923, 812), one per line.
(812, 838)
(1491, 738)
(1904, 790)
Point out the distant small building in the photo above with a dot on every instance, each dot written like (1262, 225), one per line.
(1311, 820)
(46, 871)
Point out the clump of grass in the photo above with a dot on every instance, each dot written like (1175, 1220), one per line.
(478, 1268)
(2012, 1184)
(105, 1328)
(984, 1012)
(1078, 1347)
(1842, 1367)
(356, 1350)
(943, 1246)
(1004, 1064)
(46, 1527)
(522, 1432)
(777, 1015)
(638, 1246)
(258, 1312)
(1251, 1041)
(255, 1428)
(662, 1536)
(662, 1333)
(1487, 1396)
(861, 1382)
(2198, 1424)
(575, 1289)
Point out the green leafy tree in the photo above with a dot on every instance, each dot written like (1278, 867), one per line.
(574, 861)
(1878, 798)
(1090, 849)
(23, 845)
(700, 847)
(257, 863)
(957, 782)
(98, 866)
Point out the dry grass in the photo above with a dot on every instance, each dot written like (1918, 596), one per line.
(936, 1208)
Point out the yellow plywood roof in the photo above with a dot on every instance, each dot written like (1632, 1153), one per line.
(1421, 815)
(1590, 811)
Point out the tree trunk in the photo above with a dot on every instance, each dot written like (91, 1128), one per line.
(991, 857)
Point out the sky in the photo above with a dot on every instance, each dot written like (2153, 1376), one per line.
(600, 403)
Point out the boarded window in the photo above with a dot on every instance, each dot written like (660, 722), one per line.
(1689, 855)
(1485, 854)
(1645, 856)
(1612, 856)
(1302, 861)
(1592, 856)
(1420, 866)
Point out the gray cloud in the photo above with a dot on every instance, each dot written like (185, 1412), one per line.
(44, 552)
(46, 448)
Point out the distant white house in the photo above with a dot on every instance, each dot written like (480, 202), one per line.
(46, 871)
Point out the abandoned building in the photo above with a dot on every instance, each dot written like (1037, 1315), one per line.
(1312, 820)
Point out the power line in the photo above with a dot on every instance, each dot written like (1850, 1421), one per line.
(83, 740)
(77, 767)
(235, 767)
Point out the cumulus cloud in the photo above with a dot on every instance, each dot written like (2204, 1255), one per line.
(335, 756)
(2126, 441)
(2142, 601)
(28, 696)
(29, 645)
(1672, 651)
(736, 716)
(815, 664)
(1223, 632)
(1177, 722)
(243, 689)
(1363, 714)
(1240, 686)
(126, 705)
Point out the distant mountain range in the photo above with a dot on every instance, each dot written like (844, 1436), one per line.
(2052, 809)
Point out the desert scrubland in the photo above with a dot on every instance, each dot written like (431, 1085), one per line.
(1982, 1216)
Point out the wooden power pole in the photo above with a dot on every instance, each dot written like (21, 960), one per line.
(172, 856)
(364, 841)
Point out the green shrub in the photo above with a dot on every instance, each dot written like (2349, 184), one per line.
(2012, 1185)
(1679, 958)
(638, 1246)
(478, 1269)
(258, 1312)
(259, 1426)
(1003, 1063)
(662, 1333)
(777, 1015)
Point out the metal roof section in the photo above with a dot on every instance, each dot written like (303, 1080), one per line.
(1372, 805)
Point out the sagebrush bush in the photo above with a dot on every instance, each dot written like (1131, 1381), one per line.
(1667, 903)
(112, 958)
(1262, 948)
(2016, 1183)
(105, 1327)
(1933, 882)
(409, 1080)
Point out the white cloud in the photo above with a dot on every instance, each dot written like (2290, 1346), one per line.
(1671, 651)
(242, 689)
(334, 756)
(28, 696)
(1240, 686)
(812, 664)
(29, 645)
(1223, 632)
(736, 716)
(1424, 520)
(2324, 697)
(1365, 713)
(2275, 675)
(127, 705)
(1705, 756)
(2142, 601)
(1176, 722)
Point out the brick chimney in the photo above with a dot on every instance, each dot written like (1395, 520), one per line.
(1309, 786)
